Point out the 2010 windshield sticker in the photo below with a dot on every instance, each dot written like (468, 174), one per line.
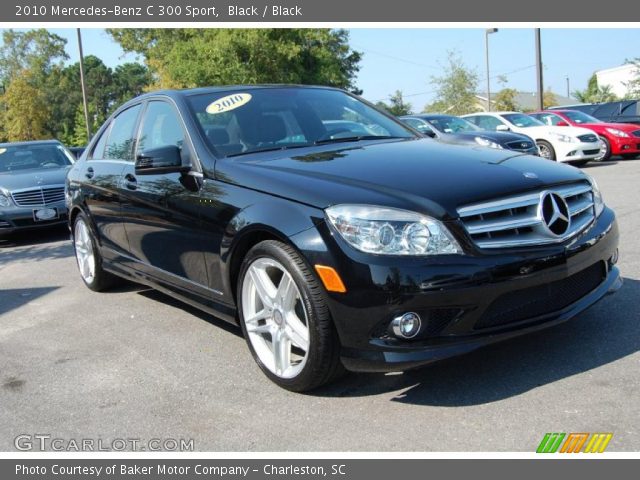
(228, 103)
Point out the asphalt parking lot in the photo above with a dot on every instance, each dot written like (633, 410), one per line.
(133, 363)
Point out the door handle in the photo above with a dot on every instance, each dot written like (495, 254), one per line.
(130, 181)
(89, 173)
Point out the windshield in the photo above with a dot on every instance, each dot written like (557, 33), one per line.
(579, 117)
(522, 121)
(452, 124)
(33, 156)
(261, 119)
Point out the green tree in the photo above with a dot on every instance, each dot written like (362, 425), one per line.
(25, 109)
(397, 105)
(129, 81)
(182, 58)
(455, 88)
(595, 93)
(549, 99)
(505, 99)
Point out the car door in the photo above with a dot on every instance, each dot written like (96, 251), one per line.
(102, 173)
(160, 211)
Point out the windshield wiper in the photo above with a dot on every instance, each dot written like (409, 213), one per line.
(270, 149)
(356, 139)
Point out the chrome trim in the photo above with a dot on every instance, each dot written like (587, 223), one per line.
(37, 194)
(517, 221)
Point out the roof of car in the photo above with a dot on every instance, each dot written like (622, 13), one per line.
(226, 88)
(30, 142)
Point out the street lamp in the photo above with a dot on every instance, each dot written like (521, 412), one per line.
(487, 32)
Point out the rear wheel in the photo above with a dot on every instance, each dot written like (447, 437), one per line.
(546, 150)
(88, 257)
(605, 151)
(285, 320)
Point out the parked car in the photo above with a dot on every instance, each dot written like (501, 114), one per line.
(76, 151)
(450, 129)
(573, 145)
(371, 252)
(623, 111)
(32, 178)
(617, 138)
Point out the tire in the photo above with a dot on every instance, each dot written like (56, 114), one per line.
(607, 151)
(546, 150)
(270, 320)
(88, 257)
(629, 156)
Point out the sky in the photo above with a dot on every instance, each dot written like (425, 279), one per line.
(406, 59)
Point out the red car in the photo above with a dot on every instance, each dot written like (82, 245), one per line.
(618, 138)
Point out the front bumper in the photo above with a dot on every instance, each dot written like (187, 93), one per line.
(571, 152)
(13, 219)
(476, 299)
(624, 146)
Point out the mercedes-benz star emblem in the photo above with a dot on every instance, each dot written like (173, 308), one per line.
(554, 212)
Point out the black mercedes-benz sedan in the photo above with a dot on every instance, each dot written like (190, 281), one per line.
(334, 235)
(456, 130)
(32, 179)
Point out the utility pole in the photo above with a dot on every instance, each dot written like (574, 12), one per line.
(539, 71)
(568, 89)
(84, 88)
(487, 32)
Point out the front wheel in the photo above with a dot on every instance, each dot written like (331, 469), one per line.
(285, 320)
(88, 257)
(605, 151)
(546, 150)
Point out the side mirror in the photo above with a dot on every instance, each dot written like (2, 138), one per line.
(502, 128)
(154, 161)
(428, 132)
(562, 123)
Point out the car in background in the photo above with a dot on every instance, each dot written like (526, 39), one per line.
(32, 178)
(573, 145)
(76, 151)
(623, 111)
(456, 130)
(617, 138)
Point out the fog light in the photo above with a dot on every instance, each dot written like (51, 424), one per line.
(626, 147)
(406, 325)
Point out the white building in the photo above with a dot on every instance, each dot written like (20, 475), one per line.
(617, 78)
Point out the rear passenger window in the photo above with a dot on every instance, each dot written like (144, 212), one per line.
(98, 151)
(119, 146)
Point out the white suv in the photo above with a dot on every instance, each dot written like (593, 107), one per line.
(573, 145)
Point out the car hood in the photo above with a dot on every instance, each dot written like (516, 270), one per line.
(544, 131)
(418, 174)
(20, 179)
(599, 127)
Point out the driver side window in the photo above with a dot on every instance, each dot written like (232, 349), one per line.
(487, 123)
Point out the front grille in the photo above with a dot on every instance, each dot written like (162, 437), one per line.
(636, 133)
(4, 224)
(544, 299)
(588, 138)
(518, 221)
(592, 152)
(40, 196)
(520, 145)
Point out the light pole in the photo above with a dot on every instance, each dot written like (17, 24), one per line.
(568, 88)
(539, 70)
(487, 32)
(84, 88)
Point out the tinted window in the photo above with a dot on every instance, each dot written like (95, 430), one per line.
(161, 126)
(452, 124)
(581, 117)
(485, 122)
(120, 143)
(33, 156)
(608, 109)
(252, 120)
(548, 118)
(98, 151)
(521, 120)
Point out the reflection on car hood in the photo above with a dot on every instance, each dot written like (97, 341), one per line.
(420, 175)
(19, 179)
(499, 137)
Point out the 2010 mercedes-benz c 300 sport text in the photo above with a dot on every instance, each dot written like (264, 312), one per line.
(334, 235)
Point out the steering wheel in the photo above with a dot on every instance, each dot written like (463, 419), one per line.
(330, 134)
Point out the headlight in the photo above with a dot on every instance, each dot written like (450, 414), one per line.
(617, 133)
(389, 231)
(598, 202)
(487, 143)
(563, 138)
(5, 201)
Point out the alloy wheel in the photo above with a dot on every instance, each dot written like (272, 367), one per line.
(84, 251)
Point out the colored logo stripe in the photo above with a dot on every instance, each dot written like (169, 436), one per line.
(598, 442)
(550, 443)
(574, 442)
